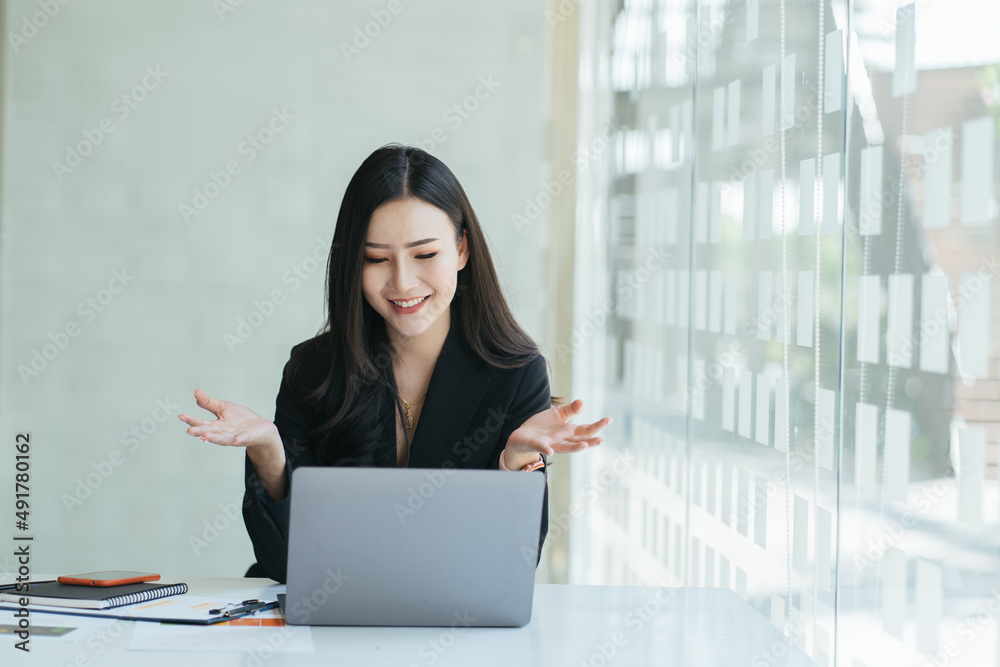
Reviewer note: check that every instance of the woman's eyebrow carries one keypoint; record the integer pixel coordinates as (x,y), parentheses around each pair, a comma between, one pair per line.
(408,245)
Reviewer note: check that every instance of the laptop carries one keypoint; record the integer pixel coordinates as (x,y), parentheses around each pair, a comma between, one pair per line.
(412,547)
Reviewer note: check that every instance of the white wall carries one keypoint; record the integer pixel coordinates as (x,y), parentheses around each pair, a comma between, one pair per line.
(64,235)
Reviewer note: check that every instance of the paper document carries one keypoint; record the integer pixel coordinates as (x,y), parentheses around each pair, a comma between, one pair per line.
(53,628)
(178,609)
(259,634)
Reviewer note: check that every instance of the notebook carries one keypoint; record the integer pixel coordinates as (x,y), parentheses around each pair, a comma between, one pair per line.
(54,594)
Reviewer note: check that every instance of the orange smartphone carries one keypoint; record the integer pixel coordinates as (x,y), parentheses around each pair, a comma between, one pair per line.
(107,578)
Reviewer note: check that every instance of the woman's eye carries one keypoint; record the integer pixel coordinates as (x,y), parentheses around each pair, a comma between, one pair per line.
(377,260)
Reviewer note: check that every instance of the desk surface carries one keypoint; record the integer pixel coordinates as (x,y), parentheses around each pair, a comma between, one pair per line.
(577,626)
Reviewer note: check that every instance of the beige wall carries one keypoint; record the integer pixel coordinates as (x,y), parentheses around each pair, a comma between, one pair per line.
(148,343)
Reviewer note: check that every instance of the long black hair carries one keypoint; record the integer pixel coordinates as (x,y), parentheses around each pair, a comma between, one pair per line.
(354,333)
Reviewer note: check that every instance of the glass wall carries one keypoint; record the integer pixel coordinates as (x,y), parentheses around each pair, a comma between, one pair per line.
(918,562)
(787,235)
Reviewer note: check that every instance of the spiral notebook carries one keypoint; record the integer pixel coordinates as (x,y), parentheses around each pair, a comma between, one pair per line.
(54,594)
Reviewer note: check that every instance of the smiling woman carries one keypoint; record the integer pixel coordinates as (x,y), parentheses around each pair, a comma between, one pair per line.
(420,362)
(418,277)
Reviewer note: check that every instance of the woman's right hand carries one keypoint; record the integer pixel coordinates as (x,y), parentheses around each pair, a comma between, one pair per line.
(234,426)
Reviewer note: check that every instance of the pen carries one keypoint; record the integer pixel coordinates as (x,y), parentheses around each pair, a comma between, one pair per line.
(246,607)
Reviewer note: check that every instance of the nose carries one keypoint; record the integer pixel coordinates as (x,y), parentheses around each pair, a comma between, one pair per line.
(403,277)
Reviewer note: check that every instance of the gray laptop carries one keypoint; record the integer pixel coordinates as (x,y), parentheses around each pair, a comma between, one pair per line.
(412,547)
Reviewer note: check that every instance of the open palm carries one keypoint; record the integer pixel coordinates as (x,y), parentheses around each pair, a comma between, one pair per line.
(235,425)
(550,433)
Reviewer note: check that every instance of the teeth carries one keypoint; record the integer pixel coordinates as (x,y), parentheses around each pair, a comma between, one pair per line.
(407,304)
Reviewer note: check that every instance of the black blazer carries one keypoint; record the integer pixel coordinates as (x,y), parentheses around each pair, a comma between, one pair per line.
(470,410)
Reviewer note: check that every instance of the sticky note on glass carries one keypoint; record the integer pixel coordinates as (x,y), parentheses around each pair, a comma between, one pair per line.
(865,446)
(749,206)
(894,591)
(807,196)
(824,549)
(670,314)
(974,325)
(753,16)
(719,118)
(870,213)
(760,512)
(715,214)
(971,468)
(700,299)
(742,500)
(835,65)
(763,408)
(869,309)
(782,305)
(897,454)
(766,203)
(711,482)
(764,313)
(934,336)
(715,301)
(899,348)
(825,427)
(731,292)
(831,193)
(726,511)
(781,425)
(788,86)
(800,534)
(729,399)
(733,114)
(768,94)
(804,323)
(904,75)
(746,402)
(978,150)
(937,177)
(929,601)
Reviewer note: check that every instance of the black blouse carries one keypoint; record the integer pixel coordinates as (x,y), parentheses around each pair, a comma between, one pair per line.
(470,410)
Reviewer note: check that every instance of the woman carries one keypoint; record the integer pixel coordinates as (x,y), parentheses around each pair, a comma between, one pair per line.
(417,333)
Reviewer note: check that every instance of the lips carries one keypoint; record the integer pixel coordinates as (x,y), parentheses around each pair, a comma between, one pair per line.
(408,303)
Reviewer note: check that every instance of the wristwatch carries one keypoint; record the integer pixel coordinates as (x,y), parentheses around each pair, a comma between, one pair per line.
(534,465)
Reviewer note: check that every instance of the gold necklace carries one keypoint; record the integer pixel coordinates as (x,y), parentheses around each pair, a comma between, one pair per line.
(407,418)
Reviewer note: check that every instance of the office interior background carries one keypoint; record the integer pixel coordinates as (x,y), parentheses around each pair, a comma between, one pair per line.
(760,234)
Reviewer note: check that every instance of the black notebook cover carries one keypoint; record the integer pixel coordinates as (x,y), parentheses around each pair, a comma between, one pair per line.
(54,594)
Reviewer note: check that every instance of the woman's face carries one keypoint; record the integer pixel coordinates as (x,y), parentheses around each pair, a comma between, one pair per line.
(411,254)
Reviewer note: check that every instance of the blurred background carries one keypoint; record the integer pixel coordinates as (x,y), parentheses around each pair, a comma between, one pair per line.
(760,234)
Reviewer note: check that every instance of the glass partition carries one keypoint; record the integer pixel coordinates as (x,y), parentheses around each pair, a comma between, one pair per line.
(785,300)
(918,562)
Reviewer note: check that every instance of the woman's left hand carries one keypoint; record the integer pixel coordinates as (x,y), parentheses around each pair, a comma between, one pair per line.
(550,433)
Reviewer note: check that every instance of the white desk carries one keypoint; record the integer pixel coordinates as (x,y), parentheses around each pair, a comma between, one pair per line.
(572,626)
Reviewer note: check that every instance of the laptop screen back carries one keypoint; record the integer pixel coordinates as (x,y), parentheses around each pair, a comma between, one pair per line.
(412,547)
